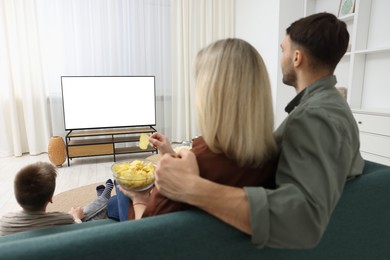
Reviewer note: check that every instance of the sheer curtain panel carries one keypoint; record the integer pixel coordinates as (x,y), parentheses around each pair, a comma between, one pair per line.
(24,120)
(195,23)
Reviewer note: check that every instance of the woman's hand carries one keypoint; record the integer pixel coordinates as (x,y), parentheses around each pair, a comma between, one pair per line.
(162,143)
(137,196)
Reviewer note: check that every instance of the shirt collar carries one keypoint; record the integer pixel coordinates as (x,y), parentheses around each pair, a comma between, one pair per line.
(328,80)
(295,102)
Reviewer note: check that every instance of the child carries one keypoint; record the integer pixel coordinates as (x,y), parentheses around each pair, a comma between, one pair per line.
(34,187)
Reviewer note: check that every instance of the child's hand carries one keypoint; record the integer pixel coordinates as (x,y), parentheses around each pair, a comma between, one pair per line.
(77,213)
(162,143)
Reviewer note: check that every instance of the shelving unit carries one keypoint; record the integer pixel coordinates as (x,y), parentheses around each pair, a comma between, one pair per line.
(374,140)
(85,143)
(364,71)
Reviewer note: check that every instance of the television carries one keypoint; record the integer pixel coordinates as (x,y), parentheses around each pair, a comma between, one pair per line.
(91,102)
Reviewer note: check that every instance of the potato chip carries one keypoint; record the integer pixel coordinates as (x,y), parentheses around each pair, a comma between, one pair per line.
(143,141)
(137,175)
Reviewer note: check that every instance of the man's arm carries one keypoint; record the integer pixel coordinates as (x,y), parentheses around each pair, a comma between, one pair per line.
(319,150)
(284,217)
(178,179)
(277,218)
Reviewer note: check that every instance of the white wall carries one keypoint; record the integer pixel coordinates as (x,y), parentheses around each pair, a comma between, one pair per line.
(263,24)
(289,12)
(257,21)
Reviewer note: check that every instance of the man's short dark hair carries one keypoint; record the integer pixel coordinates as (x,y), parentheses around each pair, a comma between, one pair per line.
(324,37)
(34,185)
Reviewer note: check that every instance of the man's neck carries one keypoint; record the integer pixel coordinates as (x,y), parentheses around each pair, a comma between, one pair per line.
(307,78)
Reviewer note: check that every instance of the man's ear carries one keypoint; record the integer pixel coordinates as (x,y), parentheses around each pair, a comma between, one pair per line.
(298,58)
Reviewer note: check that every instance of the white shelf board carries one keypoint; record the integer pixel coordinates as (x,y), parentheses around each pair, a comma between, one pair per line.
(377,50)
(375,112)
(348,17)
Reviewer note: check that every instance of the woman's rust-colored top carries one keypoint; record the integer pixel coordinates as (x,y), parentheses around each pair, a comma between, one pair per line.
(217,168)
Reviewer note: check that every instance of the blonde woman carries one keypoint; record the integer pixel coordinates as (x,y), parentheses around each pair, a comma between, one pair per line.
(234,115)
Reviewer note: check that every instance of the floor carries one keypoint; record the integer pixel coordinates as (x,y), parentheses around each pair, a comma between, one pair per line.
(82,171)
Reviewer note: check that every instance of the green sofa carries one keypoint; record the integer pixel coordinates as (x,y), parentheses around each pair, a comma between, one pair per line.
(359,229)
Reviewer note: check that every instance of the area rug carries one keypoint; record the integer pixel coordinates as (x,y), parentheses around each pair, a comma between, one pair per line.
(80,196)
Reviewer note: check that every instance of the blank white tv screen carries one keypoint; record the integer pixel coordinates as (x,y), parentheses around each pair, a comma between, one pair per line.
(108,102)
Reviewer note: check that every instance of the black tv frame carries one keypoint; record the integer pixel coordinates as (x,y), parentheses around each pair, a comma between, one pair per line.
(109,126)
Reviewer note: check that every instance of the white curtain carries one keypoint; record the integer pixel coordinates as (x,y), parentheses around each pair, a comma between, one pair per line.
(24,120)
(42,40)
(196,23)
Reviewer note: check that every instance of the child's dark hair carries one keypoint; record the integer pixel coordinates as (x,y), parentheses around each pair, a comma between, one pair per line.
(34,185)
(323,36)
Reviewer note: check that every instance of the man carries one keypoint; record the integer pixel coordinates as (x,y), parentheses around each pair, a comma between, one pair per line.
(319,150)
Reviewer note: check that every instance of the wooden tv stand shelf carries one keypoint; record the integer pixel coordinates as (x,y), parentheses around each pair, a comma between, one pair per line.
(85,143)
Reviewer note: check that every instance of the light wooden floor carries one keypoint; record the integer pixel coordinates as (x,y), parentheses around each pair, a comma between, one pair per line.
(82,171)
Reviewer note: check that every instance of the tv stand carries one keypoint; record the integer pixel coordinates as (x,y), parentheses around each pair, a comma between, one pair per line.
(85,143)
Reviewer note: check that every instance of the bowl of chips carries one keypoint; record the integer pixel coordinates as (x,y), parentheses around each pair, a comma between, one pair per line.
(137,175)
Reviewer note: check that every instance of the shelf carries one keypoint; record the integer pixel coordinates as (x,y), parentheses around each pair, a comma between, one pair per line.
(376,158)
(373,112)
(84,143)
(374,132)
(86,133)
(89,150)
(126,139)
(347,18)
(133,149)
(369,51)
(88,141)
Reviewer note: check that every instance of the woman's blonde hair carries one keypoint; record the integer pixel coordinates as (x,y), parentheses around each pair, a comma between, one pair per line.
(234,103)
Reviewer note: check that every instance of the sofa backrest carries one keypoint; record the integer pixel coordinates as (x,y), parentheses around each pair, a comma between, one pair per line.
(359,229)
